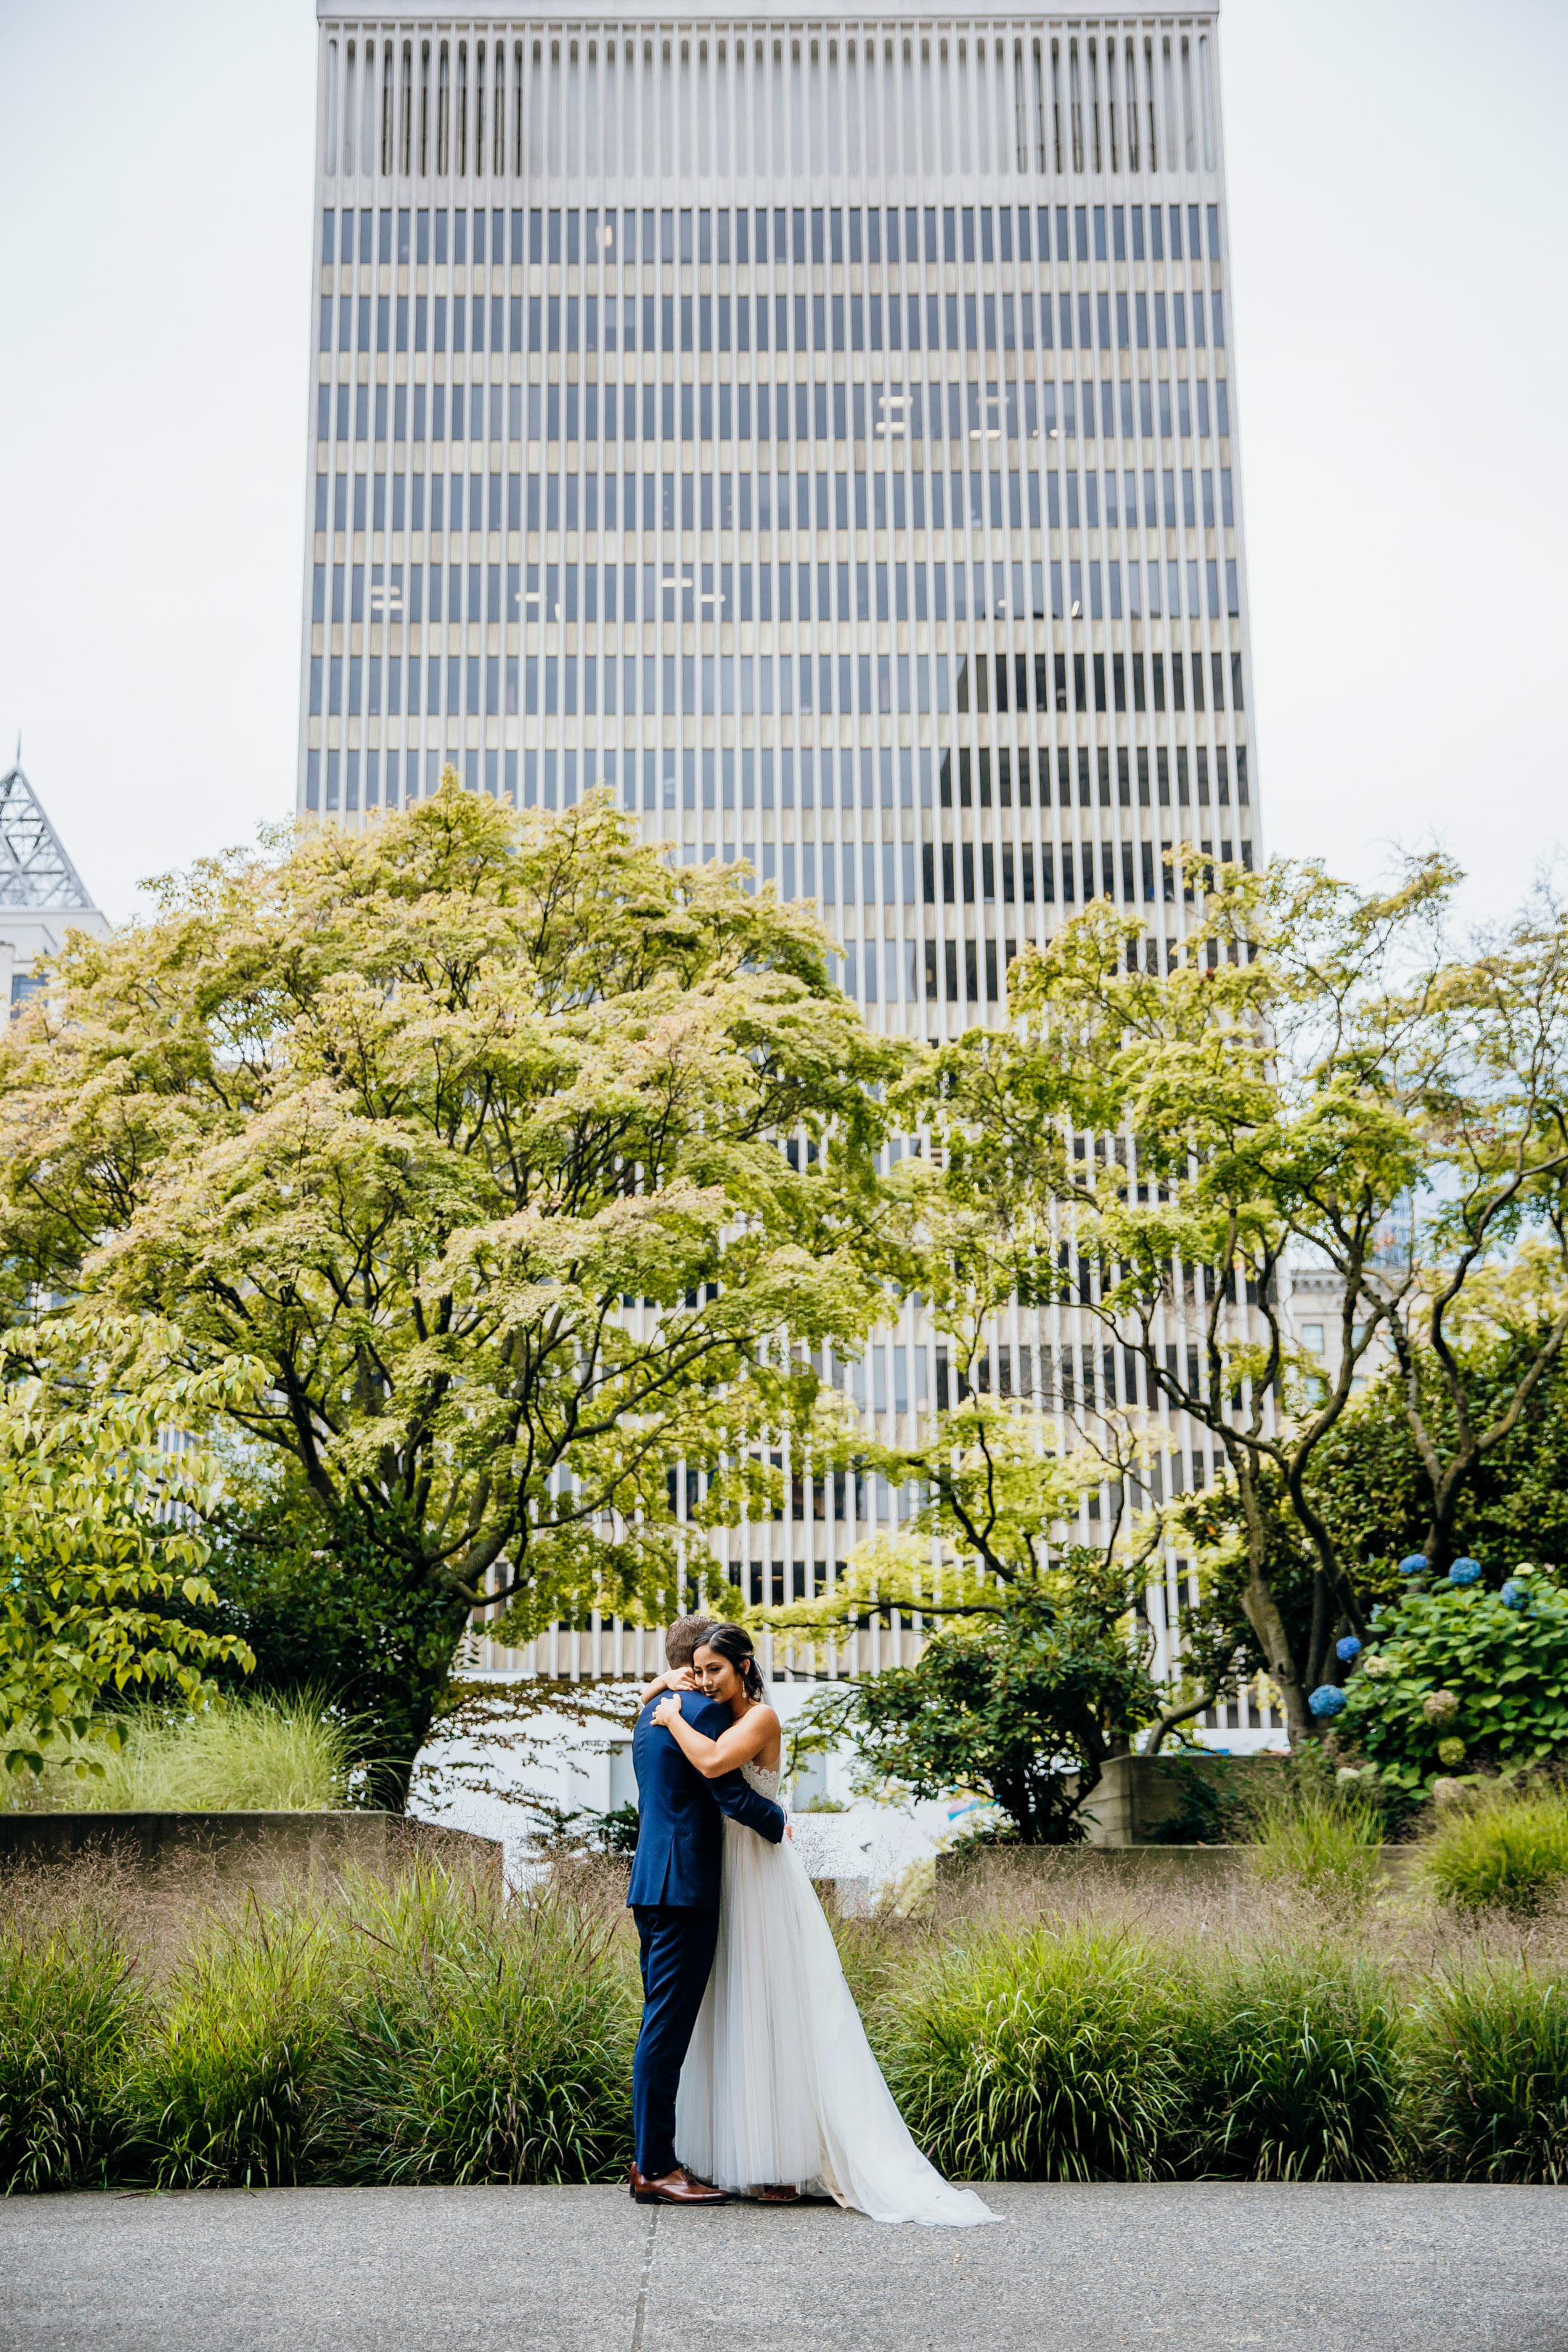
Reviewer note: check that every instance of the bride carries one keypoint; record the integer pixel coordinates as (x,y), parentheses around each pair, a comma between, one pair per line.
(780,2095)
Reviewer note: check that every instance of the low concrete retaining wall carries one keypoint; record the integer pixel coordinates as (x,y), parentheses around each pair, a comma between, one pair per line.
(1188,1799)
(1049,1874)
(256,1849)
(1044,1872)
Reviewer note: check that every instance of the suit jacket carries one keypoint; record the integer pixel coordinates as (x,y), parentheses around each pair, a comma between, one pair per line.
(680,1833)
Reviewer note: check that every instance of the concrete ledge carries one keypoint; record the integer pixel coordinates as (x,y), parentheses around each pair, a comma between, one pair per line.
(261,1849)
(1075,1871)
(1195,1798)
(852,1896)
(1079,1870)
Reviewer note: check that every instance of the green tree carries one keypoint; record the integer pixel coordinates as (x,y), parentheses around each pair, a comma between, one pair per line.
(1297,1079)
(1471,1044)
(1370,1482)
(310,1596)
(102,1544)
(469,1130)
(1023,1707)
(1025,1554)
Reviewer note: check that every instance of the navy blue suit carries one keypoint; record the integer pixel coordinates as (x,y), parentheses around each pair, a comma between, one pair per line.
(674,1896)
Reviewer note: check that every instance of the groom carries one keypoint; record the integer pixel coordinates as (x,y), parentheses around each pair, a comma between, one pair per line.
(674,1897)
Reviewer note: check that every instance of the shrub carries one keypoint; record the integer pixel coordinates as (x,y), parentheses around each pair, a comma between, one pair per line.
(1510,1849)
(1507,1668)
(480,2043)
(1490,2072)
(1291,2063)
(219,2091)
(1044,2055)
(71,1999)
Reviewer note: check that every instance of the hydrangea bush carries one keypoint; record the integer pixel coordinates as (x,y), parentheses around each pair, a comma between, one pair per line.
(1463,1679)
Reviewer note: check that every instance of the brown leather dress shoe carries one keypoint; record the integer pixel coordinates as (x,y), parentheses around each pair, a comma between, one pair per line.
(677,2187)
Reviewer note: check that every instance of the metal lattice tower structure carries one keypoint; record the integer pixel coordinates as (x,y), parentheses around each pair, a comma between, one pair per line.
(35,868)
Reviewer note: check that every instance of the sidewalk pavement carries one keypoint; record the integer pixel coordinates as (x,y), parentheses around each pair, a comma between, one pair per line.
(1334,2268)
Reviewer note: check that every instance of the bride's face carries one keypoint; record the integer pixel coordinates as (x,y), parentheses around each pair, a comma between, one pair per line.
(715,1676)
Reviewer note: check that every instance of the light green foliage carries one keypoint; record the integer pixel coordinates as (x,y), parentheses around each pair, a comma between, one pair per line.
(1489,2068)
(71,2002)
(96,1517)
(403,1116)
(485,2043)
(1507,1847)
(218,2092)
(240,1755)
(1151,1144)
(1483,1071)
(1038,1667)
(1325,1841)
(1323,1074)
(1291,2058)
(423,2028)
(1039,2056)
(418,2029)
(991,1493)
(1507,1667)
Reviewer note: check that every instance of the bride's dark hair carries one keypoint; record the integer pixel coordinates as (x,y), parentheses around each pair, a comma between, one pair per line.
(733,1644)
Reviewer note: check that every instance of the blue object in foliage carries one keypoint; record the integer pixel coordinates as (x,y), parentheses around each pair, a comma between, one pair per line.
(1348,1648)
(1514,1595)
(1464,1571)
(1413,1564)
(1327,1700)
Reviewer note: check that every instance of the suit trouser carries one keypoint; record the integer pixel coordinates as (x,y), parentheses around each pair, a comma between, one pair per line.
(676,1944)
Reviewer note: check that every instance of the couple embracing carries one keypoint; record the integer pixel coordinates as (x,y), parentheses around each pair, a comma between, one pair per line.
(752,2073)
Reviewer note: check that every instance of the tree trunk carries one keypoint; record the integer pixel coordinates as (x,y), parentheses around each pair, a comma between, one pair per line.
(1262,1614)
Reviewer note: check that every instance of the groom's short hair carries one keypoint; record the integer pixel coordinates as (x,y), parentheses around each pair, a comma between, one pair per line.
(685,1638)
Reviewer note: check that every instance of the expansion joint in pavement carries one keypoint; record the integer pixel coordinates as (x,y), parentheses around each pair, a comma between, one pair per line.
(641,2317)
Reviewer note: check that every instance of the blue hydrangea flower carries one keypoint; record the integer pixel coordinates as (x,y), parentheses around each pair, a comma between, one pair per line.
(1464,1571)
(1348,1648)
(1327,1700)
(1514,1595)
(1413,1564)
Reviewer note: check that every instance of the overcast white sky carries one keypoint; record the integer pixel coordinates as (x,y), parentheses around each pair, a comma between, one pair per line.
(1397,180)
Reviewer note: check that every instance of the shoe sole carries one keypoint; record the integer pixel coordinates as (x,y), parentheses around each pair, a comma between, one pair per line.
(652,2196)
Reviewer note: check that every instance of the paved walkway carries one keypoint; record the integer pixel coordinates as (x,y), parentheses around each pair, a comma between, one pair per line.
(1333,2268)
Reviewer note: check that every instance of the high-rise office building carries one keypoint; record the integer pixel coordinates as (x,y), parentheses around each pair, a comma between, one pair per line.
(822,434)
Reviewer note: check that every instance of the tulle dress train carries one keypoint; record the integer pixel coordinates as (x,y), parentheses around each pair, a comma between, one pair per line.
(779,2083)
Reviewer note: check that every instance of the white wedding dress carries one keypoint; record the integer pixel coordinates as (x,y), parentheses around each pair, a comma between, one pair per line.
(779,2083)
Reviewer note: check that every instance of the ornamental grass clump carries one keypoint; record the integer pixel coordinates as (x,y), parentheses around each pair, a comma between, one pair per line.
(1506,1849)
(1489,2072)
(220,2091)
(241,1755)
(1324,1841)
(480,2041)
(1039,2056)
(1290,2059)
(71,1999)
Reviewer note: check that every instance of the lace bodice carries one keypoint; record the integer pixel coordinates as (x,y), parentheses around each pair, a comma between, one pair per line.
(766,1784)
